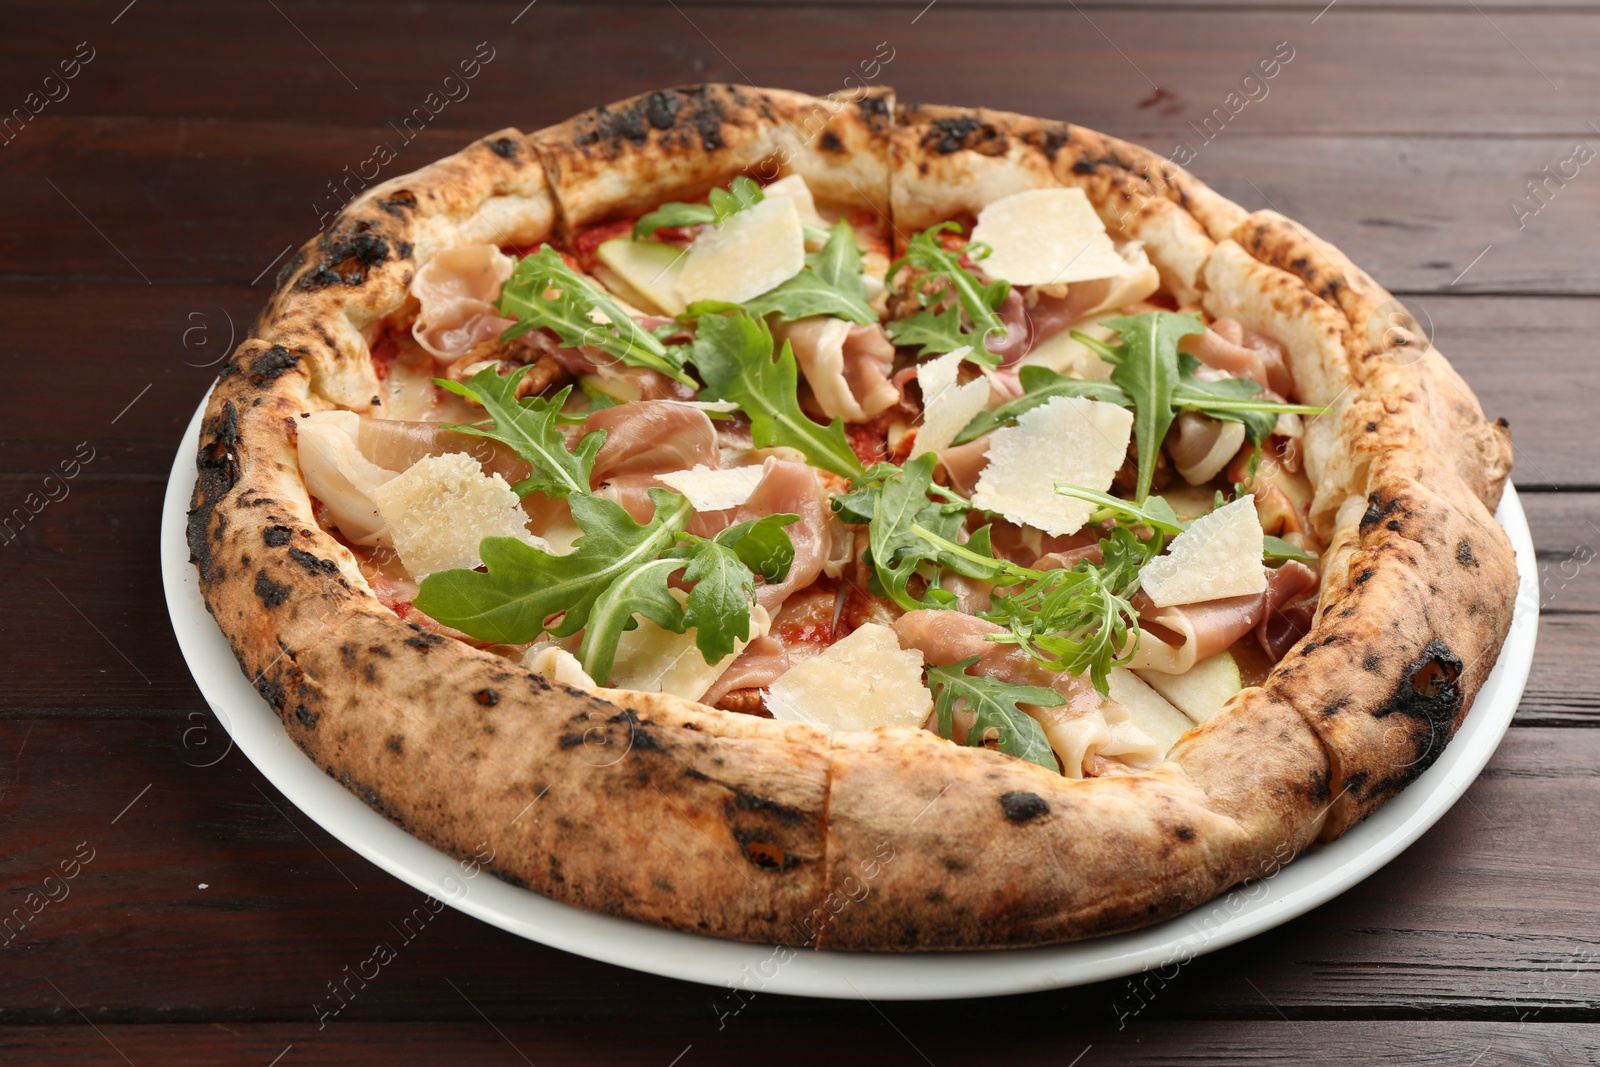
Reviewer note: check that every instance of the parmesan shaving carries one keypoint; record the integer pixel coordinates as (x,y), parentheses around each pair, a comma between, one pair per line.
(760,247)
(1218,556)
(1068,440)
(441,507)
(714,490)
(860,682)
(946,406)
(1047,236)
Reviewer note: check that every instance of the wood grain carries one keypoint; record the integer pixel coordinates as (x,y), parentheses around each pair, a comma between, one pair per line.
(967,1036)
(1492,911)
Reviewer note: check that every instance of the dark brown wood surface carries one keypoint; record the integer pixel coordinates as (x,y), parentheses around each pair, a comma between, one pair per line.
(141,216)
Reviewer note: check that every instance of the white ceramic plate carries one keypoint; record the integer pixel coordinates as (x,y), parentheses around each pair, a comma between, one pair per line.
(1309,881)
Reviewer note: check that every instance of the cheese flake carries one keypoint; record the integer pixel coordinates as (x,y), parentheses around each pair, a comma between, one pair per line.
(440,507)
(714,490)
(946,406)
(1218,556)
(1068,440)
(1046,236)
(795,188)
(860,682)
(742,258)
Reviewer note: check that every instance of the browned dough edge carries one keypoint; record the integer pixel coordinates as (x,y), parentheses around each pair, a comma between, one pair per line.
(669,812)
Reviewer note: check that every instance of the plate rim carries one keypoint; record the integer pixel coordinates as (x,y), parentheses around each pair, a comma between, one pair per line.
(1319,875)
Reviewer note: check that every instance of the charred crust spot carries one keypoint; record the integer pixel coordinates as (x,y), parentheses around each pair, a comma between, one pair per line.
(1020,807)
(661,109)
(1356,781)
(640,739)
(875,110)
(219,473)
(271,593)
(959,132)
(1366,573)
(486,697)
(1392,524)
(307,717)
(272,364)
(1319,786)
(1372,662)
(395,744)
(1464,554)
(399,202)
(313,564)
(1084,166)
(422,640)
(762,853)
(1430,694)
(566,741)
(691,726)
(380,650)
(951,863)
(276,536)
(504,147)
(829,142)
(1377,511)
(346,259)
(270,690)
(1184,833)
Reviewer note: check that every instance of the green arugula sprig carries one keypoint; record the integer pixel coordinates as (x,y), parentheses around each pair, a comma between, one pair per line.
(894,504)
(938,328)
(617,569)
(1039,386)
(723,204)
(544,292)
(1158,515)
(734,354)
(996,705)
(529,427)
(1080,619)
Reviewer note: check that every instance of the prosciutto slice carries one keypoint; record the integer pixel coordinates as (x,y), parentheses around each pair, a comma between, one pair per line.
(758,666)
(789,487)
(457,289)
(652,437)
(846,364)
(1229,347)
(1173,639)
(1088,735)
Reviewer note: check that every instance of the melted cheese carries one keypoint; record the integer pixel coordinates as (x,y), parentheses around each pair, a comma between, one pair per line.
(1218,556)
(441,507)
(863,681)
(1046,236)
(1068,440)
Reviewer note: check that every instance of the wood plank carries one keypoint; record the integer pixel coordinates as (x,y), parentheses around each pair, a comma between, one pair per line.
(1423,213)
(1491,914)
(307,61)
(968,1034)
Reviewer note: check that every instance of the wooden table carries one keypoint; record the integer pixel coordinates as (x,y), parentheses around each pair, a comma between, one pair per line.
(143,213)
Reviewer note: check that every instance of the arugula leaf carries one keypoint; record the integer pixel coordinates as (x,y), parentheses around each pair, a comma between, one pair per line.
(763,545)
(1278,548)
(1040,385)
(997,705)
(1148,373)
(829,284)
(1079,619)
(1155,513)
(905,528)
(525,588)
(529,427)
(734,354)
(526,297)
(937,328)
(724,203)
(641,591)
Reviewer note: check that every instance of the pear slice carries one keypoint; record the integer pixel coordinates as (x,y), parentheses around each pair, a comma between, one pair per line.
(1200,691)
(1149,710)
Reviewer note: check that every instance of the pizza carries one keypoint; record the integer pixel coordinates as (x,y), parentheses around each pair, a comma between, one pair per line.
(849,524)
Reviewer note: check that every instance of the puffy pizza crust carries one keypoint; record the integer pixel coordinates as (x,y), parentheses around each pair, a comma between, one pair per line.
(670,812)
